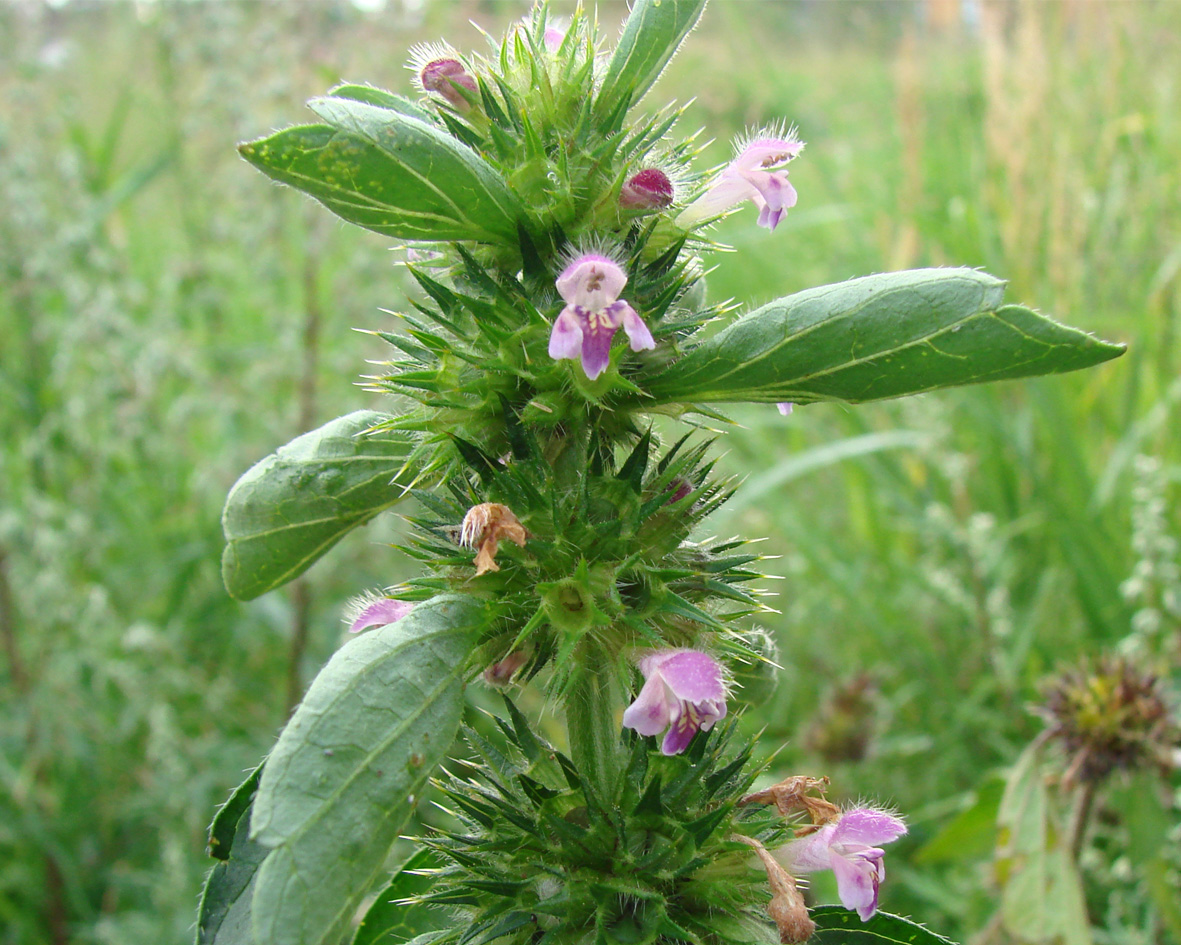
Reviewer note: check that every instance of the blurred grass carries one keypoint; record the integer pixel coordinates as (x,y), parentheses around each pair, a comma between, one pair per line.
(167,318)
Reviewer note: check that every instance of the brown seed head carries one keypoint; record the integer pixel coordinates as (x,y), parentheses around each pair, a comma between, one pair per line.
(1110,714)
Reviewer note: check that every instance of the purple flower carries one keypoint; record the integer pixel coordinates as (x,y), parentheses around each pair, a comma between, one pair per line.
(649,189)
(591,285)
(848,847)
(757,173)
(684,692)
(369,611)
(785,408)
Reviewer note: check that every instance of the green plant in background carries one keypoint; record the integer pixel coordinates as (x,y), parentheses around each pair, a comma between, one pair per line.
(557,234)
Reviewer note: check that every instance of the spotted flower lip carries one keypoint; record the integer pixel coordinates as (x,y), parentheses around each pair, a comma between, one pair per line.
(849,847)
(590,286)
(684,691)
(757,174)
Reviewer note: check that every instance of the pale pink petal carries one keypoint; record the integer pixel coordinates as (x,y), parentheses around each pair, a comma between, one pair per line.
(637,332)
(785,408)
(654,710)
(379,613)
(565,341)
(766,153)
(857,884)
(865,825)
(591,282)
(808,854)
(730,189)
(693,676)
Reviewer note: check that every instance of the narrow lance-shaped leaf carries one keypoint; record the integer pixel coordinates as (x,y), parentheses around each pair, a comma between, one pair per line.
(390,172)
(654,31)
(291,507)
(877,337)
(223,917)
(343,778)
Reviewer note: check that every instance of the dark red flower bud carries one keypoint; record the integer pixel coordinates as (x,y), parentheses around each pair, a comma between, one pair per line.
(649,189)
(442,75)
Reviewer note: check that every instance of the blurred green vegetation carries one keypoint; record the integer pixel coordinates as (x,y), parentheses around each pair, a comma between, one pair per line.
(167,317)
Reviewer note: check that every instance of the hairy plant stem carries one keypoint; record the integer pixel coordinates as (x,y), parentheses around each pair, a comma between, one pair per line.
(1079,815)
(592,724)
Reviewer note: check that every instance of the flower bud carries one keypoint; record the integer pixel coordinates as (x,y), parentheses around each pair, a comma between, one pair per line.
(442,76)
(649,189)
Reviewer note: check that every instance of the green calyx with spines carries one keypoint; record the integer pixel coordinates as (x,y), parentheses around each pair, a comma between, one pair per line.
(538,856)
(608,563)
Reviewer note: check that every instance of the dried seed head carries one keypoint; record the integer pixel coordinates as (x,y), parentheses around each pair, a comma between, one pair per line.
(483,528)
(1110,714)
(786,907)
(792,795)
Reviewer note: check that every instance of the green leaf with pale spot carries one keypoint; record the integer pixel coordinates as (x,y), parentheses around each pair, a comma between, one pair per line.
(291,507)
(223,917)
(838,926)
(342,779)
(877,337)
(654,31)
(390,172)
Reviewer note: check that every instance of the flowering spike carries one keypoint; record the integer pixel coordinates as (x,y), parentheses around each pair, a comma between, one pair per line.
(590,286)
(758,174)
(848,847)
(649,189)
(685,691)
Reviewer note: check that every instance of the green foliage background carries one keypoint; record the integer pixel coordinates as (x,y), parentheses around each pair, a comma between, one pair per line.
(167,318)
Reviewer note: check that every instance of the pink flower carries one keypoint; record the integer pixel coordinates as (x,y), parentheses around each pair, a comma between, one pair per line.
(758,174)
(554,33)
(684,692)
(369,612)
(785,408)
(591,285)
(848,847)
(649,189)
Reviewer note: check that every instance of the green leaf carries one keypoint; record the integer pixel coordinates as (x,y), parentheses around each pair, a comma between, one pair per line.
(877,337)
(837,926)
(390,172)
(343,778)
(372,95)
(654,31)
(391,922)
(223,917)
(289,509)
(971,835)
(1042,895)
